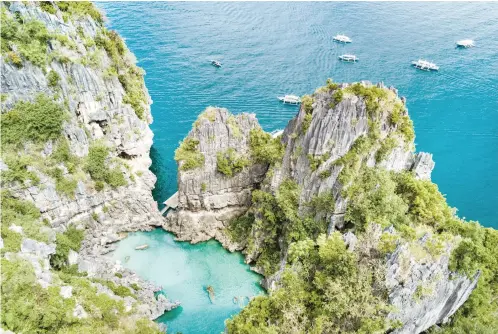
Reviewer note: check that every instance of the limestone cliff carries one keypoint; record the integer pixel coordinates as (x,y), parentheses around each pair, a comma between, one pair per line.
(339,131)
(208,199)
(66,54)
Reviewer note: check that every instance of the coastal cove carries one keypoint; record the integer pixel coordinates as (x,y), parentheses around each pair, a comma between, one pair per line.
(184,271)
(271,50)
(334,213)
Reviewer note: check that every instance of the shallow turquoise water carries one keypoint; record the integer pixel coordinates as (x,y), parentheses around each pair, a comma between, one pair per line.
(184,271)
(269,49)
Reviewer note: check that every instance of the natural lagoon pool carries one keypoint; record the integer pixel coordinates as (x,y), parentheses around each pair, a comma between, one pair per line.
(184,271)
(272,49)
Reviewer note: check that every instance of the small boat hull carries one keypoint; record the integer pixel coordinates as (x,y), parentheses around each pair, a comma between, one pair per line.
(141,247)
(348,60)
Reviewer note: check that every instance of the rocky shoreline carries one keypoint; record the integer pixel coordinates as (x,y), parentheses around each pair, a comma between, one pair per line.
(98,115)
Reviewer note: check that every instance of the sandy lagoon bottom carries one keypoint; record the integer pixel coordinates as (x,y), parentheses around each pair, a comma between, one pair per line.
(184,271)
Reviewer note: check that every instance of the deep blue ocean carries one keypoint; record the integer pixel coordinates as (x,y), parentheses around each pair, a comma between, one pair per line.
(270,49)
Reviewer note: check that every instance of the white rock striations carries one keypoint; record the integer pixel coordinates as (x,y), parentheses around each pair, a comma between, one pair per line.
(208,199)
(98,112)
(313,149)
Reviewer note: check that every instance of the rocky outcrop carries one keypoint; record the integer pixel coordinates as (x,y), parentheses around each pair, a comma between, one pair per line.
(320,143)
(208,199)
(422,289)
(95,99)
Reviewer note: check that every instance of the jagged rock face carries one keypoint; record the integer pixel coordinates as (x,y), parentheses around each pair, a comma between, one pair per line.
(97,112)
(208,198)
(333,131)
(424,291)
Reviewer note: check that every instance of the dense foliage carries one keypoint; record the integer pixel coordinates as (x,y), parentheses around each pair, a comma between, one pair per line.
(325,288)
(230,163)
(37,121)
(35,149)
(189,155)
(98,168)
(264,148)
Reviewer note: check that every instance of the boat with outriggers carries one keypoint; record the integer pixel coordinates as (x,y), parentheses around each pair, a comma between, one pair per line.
(348,58)
(425,65)
(290,99)
(465,43)
(342,39)
(215,63)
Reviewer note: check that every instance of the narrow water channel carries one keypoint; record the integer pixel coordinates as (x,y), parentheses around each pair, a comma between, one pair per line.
(184,271)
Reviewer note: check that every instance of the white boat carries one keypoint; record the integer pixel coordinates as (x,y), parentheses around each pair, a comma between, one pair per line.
(342,39)
(215,63)
(144,246)
(276,133)
(291,99)
(425,65)
(465,43)
(348,58)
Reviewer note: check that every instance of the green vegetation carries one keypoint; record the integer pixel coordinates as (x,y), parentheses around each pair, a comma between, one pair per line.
(325,174)
(209,114)
(118,290)
(336,98)
(48,7)
(203,186)
(37,121)
(20,213)
(69,240)
(317,295)
(239,228)
(62,154)
(99,170)
(230,163)
(18,170)
(29,38)
(189,155)
(53,79)
(130,76)
(234,127)
(264,148)
(64,185)
(316,161)
(77,9)
(386,147)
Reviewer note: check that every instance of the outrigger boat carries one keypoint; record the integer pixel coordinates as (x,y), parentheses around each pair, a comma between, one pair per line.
(291,99)
(425,65)
(465,43)
(215,63)
(348,58)
(342,39)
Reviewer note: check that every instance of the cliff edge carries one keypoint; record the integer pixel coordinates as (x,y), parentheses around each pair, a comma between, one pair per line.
(75,169)
(343,180)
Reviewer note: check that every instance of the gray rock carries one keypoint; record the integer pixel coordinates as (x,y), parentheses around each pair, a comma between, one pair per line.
(72,257)
(96,111)
(423,291)
(66,291)
(79,312)
(36,247)
(15,228)
(207,198)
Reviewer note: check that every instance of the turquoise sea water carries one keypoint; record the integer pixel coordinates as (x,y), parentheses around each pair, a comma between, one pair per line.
(270,49)
(184,271)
